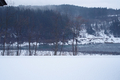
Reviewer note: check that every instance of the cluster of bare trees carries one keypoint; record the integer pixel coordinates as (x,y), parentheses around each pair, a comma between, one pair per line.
(76,27)
(63,29)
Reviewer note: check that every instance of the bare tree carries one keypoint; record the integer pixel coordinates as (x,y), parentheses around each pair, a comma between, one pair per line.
(76,27)
(18,31)
(6,22)
(55,34)
(5,33)
(37,38)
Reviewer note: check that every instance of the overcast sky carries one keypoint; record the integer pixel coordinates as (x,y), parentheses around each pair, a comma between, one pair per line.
(86,3)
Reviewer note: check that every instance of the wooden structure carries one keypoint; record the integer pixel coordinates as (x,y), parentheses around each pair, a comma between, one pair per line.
(3,2)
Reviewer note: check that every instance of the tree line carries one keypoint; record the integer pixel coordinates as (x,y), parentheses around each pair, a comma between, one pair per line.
(27,25)
(49,26)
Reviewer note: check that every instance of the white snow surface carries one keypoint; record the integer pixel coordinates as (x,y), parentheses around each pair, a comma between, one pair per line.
(101,37)
(60,68)
(39,53)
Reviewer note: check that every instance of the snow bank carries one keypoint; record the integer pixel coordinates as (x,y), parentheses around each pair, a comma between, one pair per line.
(60,68)
(38,53)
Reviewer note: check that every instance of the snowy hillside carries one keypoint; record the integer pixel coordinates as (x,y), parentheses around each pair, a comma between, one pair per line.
(86,38)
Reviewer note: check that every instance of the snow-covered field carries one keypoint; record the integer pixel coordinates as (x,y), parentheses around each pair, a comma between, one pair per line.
(60,68)
(39,53)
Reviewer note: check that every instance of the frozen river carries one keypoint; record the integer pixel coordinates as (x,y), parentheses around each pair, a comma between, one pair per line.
(99,48)
(111,48)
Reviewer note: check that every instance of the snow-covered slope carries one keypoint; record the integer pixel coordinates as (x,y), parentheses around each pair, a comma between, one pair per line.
(86,38)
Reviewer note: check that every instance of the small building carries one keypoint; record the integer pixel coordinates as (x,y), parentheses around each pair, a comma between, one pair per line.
(2,3)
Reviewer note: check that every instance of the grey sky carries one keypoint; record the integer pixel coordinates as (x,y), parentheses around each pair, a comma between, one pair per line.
(86,3)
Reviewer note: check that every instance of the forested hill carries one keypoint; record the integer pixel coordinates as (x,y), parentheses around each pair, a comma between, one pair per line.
(97,18)
(54,23)
(72,10)
(26,25)
(89,13)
